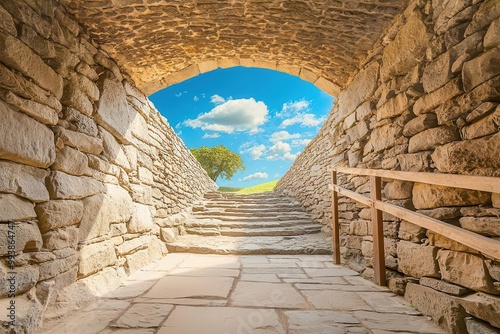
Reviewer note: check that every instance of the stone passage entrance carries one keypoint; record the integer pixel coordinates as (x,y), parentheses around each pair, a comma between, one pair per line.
(227,294)
(267,223)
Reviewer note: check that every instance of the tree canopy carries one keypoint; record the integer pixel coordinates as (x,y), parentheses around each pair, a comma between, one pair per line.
(218,161)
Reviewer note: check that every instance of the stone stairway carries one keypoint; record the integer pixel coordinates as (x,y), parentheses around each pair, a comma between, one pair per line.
(266,223)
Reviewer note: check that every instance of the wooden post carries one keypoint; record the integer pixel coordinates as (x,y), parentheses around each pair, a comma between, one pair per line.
(335,221)
(378,232)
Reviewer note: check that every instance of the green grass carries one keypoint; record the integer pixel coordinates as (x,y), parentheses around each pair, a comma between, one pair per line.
(260,188)
(229,189)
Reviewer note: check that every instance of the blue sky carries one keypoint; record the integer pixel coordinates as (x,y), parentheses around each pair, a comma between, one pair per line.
(268,117)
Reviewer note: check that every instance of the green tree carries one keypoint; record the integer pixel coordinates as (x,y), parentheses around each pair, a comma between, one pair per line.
(218,161)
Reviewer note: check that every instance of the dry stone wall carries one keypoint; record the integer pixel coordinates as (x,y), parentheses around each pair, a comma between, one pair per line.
(426,99)
(89,169)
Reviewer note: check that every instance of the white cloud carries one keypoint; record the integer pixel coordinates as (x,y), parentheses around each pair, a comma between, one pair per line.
(245,145)
(233,115)
(196,98)
(255,176)
(283,135)
(217,99)
(293,107)
(301,142)
(305,120)
(257,151)
(210,135)
(281,151)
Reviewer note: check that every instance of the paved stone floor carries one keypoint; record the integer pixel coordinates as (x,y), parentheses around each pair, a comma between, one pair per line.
(227,294)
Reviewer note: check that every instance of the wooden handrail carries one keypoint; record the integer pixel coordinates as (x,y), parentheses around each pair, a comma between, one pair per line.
(487,246)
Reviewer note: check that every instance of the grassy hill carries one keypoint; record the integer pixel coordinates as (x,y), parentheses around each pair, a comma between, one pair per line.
(260,188)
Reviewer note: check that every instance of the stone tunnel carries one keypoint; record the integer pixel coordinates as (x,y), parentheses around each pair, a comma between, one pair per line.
(90,172)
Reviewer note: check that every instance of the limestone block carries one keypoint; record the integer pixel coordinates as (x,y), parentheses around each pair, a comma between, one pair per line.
(415,162)
(61,238)
(53,268)
(65,186)
(442,213)
(75,98)
(137,260)
(431,138)
(411,232)
(430,101)
(141,220)
(167,234)
(402,54)
(467,155)
(115,206)
(19,56)
(437,73)
(417,260)
(113,112)
(81,141)
(394,107)
(361,87)
(70,161)
(479,327)
(357,132)
(444,309)
(24,181)
(86,85)
(489,226)
(14,208)
(382,138)
(26,277)
(95,257)
(483,306)
(487,12)
(132,245)
(465,269)
(419,124)
(27,238)
(36,149)
(114,151)
(481,69)
(7,23)
(398,190)
(492,37)
(427,196)
(55,214)
(484,127)
(40,112)
(441,241)
(442,286)
(495,200)
(80,122)
(141,193)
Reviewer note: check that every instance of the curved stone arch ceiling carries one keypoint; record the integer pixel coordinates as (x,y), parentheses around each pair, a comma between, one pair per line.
(160,42)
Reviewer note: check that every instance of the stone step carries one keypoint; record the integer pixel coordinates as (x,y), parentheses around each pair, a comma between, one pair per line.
(236,213)
(249,207)
(318,243)
(210,223)
(268,231)
(254,218)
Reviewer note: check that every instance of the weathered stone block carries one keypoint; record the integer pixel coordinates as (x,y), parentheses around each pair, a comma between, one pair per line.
(53,268)
(441,241)
(141,220)
(495,200)
(132,245)
(465,269)
(442,286)
(61,238)
(6,22)
(114,151)
(444,309)
(55,214)
(19,56)
(437,73)
(24,181)
(27,238)
(14,208)
(419,124)
(484,127)
(411,232)
(357,132)
(115,206)
(417,260)
(95,257)
(70,161)
(430,101)
(113,112)
(38,111)
(362,86)
(394,107)
(428,196)
(487,12)
(37,149)
(398,190)
(65,186)
(467,155)
(479,327)
(431,138)
(416,162)
(402,54)
(483,306)
(489,226)
(81,141)
(74,97)
(492,37)
(26,277)
(382,138)
(167,234)
(481,69)
(446,213)
(137,260)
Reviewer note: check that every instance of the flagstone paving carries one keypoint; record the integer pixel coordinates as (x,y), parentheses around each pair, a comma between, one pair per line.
(239,294)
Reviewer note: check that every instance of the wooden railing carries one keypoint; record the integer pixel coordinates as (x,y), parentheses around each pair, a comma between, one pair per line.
(487,246)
